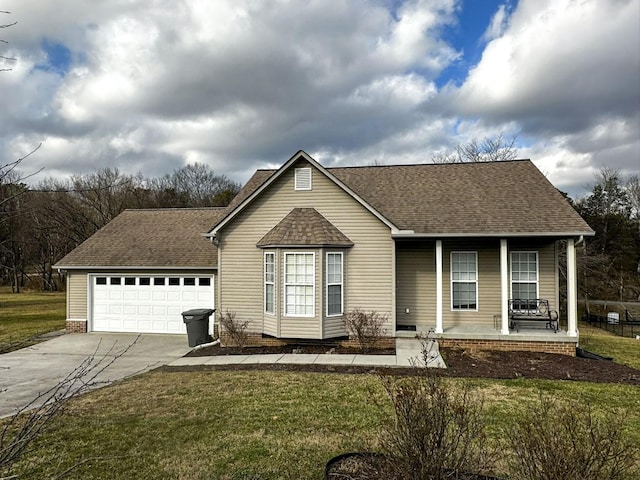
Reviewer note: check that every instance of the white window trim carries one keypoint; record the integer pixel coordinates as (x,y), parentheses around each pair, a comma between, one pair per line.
(266,282)
(511,281)
(313,286)
(308,174)
(451,282)
(327,284)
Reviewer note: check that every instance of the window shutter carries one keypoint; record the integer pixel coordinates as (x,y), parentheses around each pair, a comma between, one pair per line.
(303,179)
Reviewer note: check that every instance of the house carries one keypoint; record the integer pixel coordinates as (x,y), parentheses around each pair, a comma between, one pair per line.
(433,246)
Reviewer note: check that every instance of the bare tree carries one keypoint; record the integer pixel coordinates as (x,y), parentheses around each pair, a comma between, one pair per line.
(490,149)
(3,57)
(194,186)
(633,193)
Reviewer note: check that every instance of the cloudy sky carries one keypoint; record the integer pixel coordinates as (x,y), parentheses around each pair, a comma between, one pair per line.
(151,85)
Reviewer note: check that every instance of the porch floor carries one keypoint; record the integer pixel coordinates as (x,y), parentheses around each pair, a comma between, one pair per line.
(475,332)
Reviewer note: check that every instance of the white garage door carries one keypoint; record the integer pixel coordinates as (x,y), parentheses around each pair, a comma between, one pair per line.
(147,303)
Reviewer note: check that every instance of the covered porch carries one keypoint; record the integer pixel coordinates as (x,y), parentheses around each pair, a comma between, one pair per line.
(468,305)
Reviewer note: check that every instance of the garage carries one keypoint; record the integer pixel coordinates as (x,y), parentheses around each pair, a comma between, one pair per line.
(147,303)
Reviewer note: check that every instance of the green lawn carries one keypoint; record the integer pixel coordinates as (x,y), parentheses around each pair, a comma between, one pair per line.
(623,349)
(254,424)
(28,314)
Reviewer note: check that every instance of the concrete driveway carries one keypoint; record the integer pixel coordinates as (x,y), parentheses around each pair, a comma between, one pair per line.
(28,372)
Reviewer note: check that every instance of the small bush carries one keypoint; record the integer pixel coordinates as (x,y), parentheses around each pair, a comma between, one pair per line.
(438,430)
(561,440)
(236,329)
(366,327)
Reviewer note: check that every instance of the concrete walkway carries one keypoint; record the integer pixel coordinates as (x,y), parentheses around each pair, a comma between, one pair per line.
(26,373)
(408,352)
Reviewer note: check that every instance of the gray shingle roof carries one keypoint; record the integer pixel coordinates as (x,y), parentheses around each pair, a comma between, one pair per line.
(463,198)
(304,226)
(488,198)
(170,238)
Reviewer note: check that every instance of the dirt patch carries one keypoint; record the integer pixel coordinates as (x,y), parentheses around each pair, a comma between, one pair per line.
(311,348)
(463,363)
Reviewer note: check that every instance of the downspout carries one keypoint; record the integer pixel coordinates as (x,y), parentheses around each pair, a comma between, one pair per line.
(205,345)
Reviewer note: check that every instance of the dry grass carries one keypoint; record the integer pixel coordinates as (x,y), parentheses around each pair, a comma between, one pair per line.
(255,424)
(623,350)
(26,315)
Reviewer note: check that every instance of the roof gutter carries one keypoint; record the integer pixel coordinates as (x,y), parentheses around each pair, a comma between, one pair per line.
(128,267)
(405,234)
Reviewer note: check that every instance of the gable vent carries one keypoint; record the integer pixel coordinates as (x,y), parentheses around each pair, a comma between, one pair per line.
(303,179)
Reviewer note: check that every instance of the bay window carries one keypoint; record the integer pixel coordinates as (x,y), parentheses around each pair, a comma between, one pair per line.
(334,284)
(270,283)
(299,284)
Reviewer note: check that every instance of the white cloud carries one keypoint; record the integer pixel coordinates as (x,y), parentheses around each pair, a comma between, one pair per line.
(560,66)
(240,84)
(497,25)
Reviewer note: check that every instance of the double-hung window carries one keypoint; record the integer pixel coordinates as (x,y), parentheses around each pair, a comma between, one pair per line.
(299,284)
(270,283)
(524,276)
(334,284)
(464,280)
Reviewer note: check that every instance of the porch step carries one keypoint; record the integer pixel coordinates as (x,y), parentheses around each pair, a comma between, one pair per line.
(409,353)
(408,344)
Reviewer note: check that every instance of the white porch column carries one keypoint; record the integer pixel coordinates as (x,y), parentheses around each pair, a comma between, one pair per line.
(504,287)
(439,328)
(572,290)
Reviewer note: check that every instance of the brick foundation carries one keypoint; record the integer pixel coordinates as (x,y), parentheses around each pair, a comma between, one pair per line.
(259,340)
(76,326)
(563,348)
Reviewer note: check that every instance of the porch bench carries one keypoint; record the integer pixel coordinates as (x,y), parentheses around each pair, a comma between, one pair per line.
(532,310)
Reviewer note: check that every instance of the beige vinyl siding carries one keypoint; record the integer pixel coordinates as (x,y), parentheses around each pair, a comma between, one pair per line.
(334,327)
(76,295)
(489,293)
(416,284)
(488,283)
(270,323)
(547,272)
(368,279)
(416,289)
(78,288)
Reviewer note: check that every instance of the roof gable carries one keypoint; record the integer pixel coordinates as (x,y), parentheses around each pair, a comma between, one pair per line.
(304,227)
(509,198)
(262,179)
(157,238)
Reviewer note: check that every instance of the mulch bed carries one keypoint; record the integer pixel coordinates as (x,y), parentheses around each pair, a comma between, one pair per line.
(372,466)
(460,363)
(301,348)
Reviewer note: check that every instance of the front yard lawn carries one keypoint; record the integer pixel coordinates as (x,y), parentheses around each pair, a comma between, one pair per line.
(623,349)
(28,314)
(254,424)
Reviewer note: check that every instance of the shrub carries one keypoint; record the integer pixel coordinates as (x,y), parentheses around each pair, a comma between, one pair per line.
(366,327)
(438,430)
(236,329)
(567,440)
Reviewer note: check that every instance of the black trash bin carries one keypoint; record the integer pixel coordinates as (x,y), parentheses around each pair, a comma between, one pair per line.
(197,321)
